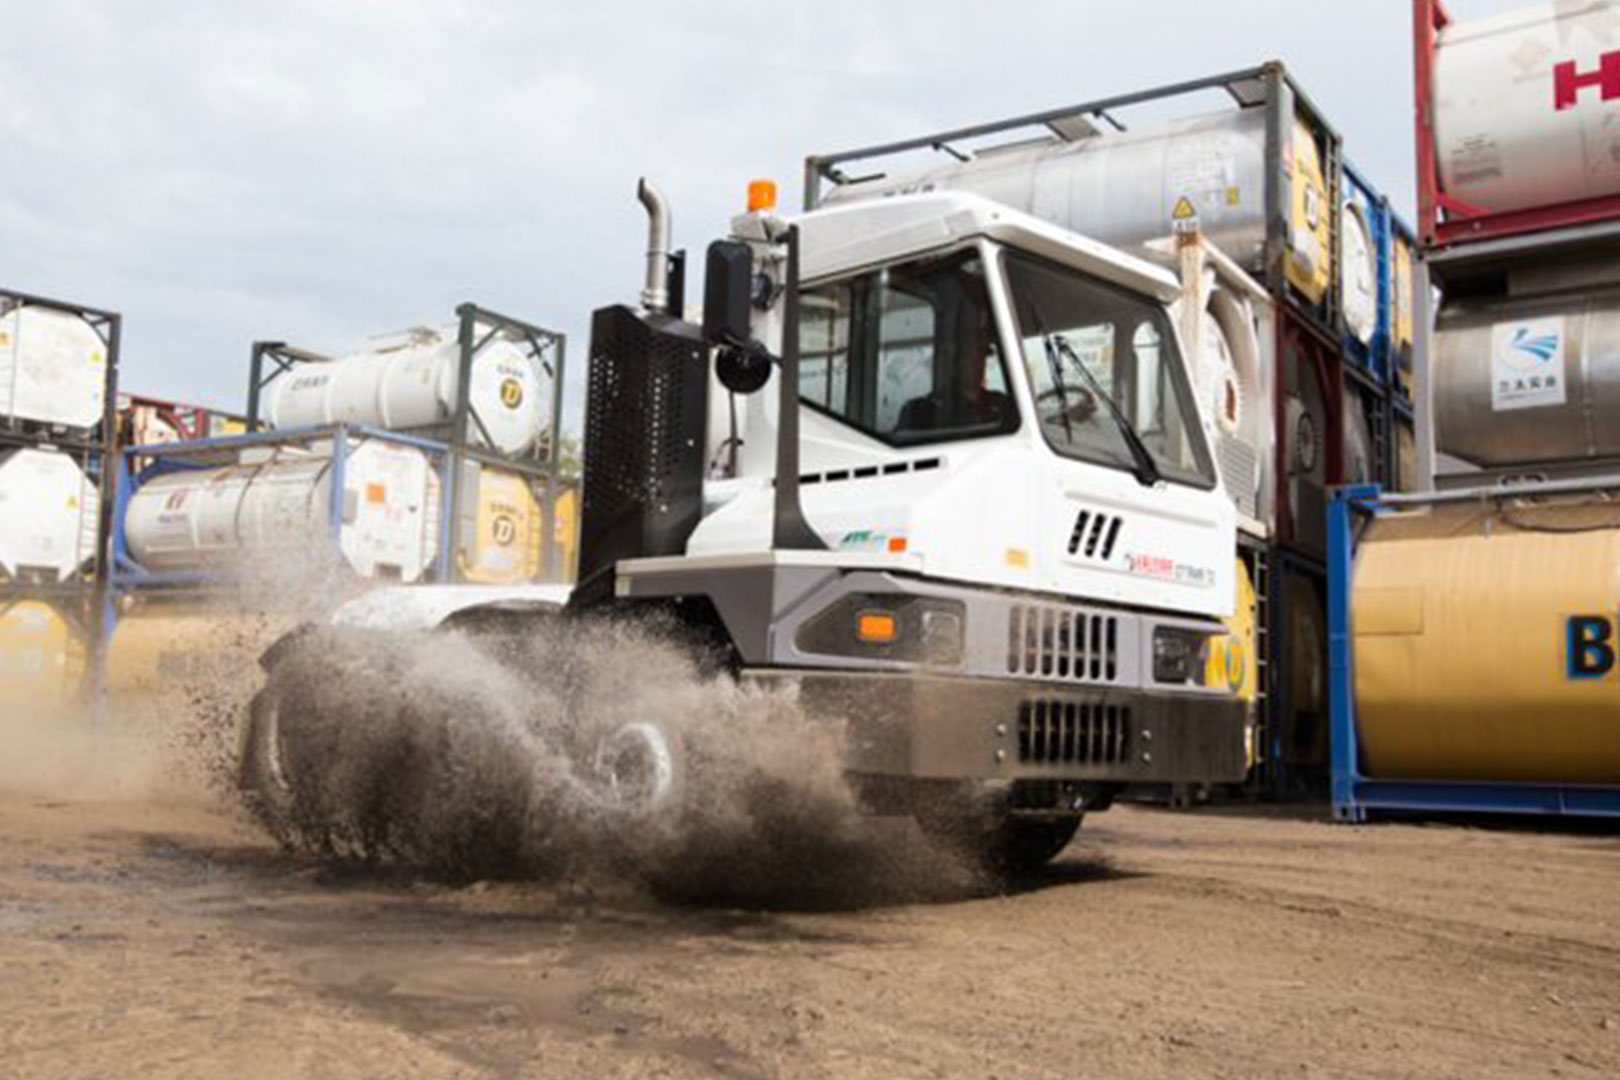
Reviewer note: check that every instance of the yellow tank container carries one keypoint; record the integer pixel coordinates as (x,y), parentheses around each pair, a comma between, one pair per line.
(506,546)
(566,533)
(42,656)
(1234,660)
(167,647)
(1310,266)
(1461,622)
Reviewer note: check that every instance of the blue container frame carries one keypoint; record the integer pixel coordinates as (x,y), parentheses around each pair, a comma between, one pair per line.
(1374,356)
(1357,796)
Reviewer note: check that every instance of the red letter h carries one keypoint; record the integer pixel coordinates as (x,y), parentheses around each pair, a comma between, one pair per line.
(1568,83)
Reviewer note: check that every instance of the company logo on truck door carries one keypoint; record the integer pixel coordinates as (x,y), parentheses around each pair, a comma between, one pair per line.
(1569,81)
(1162,569)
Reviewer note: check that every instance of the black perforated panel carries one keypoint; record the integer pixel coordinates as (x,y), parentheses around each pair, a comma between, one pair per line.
(644,416)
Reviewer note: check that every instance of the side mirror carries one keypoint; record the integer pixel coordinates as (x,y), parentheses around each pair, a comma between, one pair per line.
(728,278)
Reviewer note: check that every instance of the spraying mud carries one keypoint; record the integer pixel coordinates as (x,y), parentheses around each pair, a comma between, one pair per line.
(476,758)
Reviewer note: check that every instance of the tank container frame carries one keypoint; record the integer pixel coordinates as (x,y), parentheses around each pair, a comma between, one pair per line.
(138,465)
(1269,86)
(477,326)
(79,600)
(1375,357)
(1445,220)
(1357,796)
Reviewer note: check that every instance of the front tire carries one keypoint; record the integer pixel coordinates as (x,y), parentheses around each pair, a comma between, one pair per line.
(980,827)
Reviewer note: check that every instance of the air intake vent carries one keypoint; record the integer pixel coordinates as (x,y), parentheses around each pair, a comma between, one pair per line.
(1239,472)
(1094,535)
(1073,733)
(1062,643)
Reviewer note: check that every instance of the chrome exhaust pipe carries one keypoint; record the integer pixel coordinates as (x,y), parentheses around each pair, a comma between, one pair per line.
(655,295)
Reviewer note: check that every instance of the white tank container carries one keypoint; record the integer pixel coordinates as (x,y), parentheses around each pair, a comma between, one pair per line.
(53,368)
(280,508)
(408,383)
(49,512)
(1511,132)
(1358,270)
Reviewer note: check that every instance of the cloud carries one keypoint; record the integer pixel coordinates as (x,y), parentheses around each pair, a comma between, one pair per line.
(318,172)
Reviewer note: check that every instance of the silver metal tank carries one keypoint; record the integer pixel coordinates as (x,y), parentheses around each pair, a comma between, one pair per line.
(1532,379)
(1124,188)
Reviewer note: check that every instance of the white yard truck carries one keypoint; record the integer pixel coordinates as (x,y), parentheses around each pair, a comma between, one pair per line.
(936,462)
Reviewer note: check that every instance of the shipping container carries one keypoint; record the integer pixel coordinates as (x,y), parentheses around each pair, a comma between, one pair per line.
(1473,650)
(58,368)
(1516,121)
(1365,276)
(254,507)
(45,649)
(1248,156)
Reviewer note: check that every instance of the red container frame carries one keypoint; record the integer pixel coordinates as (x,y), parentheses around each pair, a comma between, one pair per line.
(1326,366)
(1445,220)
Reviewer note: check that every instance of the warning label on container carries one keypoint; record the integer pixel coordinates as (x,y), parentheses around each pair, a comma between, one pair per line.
(1527,364)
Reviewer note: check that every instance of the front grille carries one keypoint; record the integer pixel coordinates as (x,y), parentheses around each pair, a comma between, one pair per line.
(1073,733)
(1062,643)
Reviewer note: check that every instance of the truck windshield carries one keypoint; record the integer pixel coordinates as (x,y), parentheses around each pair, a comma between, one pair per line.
(907,354)
(1128,353)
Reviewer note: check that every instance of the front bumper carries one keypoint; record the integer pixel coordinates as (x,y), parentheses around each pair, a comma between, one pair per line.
(940,727)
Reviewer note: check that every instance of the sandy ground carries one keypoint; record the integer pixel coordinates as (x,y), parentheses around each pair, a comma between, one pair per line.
(159,937)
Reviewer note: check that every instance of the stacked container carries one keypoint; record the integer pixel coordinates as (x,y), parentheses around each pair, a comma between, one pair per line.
(1251,166)
(425,456)
(1474,622)
(58,387)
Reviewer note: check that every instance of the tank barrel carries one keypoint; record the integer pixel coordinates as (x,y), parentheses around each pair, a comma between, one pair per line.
(655,295)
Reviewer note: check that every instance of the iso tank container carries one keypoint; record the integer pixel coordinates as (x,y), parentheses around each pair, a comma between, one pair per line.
(409,382)
(1471,659)
(1228,329)
(50,515)
(145,421)
(43,655)
(1403,298)
(53,366)
(1310,427)
(1364,272)
(503,532)
(503,538)
(1248,176)
(1519,118)
(1530,372)
(385,520)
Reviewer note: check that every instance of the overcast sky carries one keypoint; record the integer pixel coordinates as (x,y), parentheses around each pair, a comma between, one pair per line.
(318,172)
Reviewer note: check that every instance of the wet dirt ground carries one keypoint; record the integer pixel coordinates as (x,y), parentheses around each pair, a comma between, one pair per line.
(157,938)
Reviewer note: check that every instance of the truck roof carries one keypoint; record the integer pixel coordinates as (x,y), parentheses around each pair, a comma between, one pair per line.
(848,236)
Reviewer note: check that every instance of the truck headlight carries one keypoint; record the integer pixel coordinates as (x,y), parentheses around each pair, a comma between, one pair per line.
(1179,655)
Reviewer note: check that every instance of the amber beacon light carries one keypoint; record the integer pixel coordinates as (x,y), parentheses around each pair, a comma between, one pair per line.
(761,196)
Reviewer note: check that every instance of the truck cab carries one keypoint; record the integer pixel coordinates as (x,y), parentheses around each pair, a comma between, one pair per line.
(938,465)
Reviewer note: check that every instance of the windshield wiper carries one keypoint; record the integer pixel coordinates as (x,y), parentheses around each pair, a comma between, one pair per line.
(1147,470)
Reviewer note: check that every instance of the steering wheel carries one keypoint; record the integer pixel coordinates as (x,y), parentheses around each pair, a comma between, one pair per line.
(1082,403)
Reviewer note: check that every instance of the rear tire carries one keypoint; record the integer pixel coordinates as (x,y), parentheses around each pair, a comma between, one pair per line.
(263,774)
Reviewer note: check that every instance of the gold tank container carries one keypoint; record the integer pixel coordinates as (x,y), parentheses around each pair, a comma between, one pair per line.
(1460,622)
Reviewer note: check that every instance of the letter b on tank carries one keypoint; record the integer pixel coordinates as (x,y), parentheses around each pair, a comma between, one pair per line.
(1590,646)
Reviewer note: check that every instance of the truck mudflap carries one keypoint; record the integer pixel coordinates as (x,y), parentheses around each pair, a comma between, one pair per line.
(933,727)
